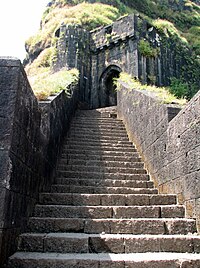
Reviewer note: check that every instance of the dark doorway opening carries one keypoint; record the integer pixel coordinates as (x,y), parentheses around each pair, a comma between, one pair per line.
(108,92)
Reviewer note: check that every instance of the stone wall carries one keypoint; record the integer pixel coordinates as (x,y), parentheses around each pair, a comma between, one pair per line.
(118,45)
(30,139)
(168,143)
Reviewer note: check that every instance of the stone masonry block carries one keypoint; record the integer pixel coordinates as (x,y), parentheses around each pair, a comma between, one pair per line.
(62,243)
(136,212)
(172,212)
(139,244)
(106,244)
(153,264)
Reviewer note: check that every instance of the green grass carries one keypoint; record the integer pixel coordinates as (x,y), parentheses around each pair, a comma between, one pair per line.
(162,93)
(86,15)
(168,28)
(46,83)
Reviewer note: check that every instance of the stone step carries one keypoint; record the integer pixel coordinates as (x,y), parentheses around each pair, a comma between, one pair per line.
(99,147)
(96,118)
(116,137)
(112,226)
(96,131)
(108,243)
(125,157)
(87,142)
(62,165)
(104,260)
(87,124)
(100,166)
(91,169)
(99,135)
(132,164)
(81,127)
(100,190)
(101,175)
(98,212)
(98,153)
(97,123)
(105,199)
(105,183)
(99,141)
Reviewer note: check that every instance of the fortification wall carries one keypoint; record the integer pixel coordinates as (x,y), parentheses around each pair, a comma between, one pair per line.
(119,44)
(169,145)
(30,137)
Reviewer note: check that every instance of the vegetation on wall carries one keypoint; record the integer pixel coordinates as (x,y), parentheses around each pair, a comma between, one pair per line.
(86,15)
(178,20)
(146,49)
(163,94)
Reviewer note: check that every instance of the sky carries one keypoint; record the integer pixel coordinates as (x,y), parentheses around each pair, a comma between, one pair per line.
(19,19)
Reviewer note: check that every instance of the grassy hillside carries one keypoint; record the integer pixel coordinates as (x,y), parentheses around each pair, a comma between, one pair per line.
(179,18)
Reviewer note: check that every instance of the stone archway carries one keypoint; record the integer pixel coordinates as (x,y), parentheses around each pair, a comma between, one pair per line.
(107,88)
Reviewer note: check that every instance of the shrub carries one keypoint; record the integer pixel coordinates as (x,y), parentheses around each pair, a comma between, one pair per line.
(146,49)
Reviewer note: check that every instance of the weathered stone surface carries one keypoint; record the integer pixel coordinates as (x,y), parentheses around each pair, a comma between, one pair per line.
(61,211)
(97,226)
(107,244)
(170,149)
(65,243)
(177,226)
(100,229)
(172,212)
(136,212)
(153,264)
(30,137)
(31,242)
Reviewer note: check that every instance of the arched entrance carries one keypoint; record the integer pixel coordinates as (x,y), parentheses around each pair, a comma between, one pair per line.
(107,88)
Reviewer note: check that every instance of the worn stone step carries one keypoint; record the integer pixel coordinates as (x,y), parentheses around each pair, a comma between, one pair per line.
(132,164)
(107,243)
(97,131)
(104,260)
(101,169)
(56,188)
(103,175)
(113,226)
(91,124)
(98,143)
(105,199)
(90,128)
(99,147)
(105,183)
(99,140)
(119,137)
(99,166)
(97,212)
(99,136)
(98,153)
(125,157)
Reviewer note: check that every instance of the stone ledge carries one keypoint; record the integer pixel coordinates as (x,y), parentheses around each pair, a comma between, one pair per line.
(9,62)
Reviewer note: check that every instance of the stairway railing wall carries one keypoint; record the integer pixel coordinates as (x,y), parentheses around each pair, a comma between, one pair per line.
(31,134)
(168,143)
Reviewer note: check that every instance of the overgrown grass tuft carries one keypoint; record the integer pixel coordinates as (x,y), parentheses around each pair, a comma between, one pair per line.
(47,83)
(162,93)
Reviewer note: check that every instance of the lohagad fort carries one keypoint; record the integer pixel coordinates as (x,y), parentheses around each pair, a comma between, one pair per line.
(100,177)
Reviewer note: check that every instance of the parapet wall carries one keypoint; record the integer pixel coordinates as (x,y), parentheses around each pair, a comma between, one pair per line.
(169,147)
(30,137)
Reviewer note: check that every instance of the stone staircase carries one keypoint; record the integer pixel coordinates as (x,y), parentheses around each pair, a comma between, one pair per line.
(103,210)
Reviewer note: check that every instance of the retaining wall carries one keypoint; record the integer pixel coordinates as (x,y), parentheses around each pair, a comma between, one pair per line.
(30,137)
(168,142)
